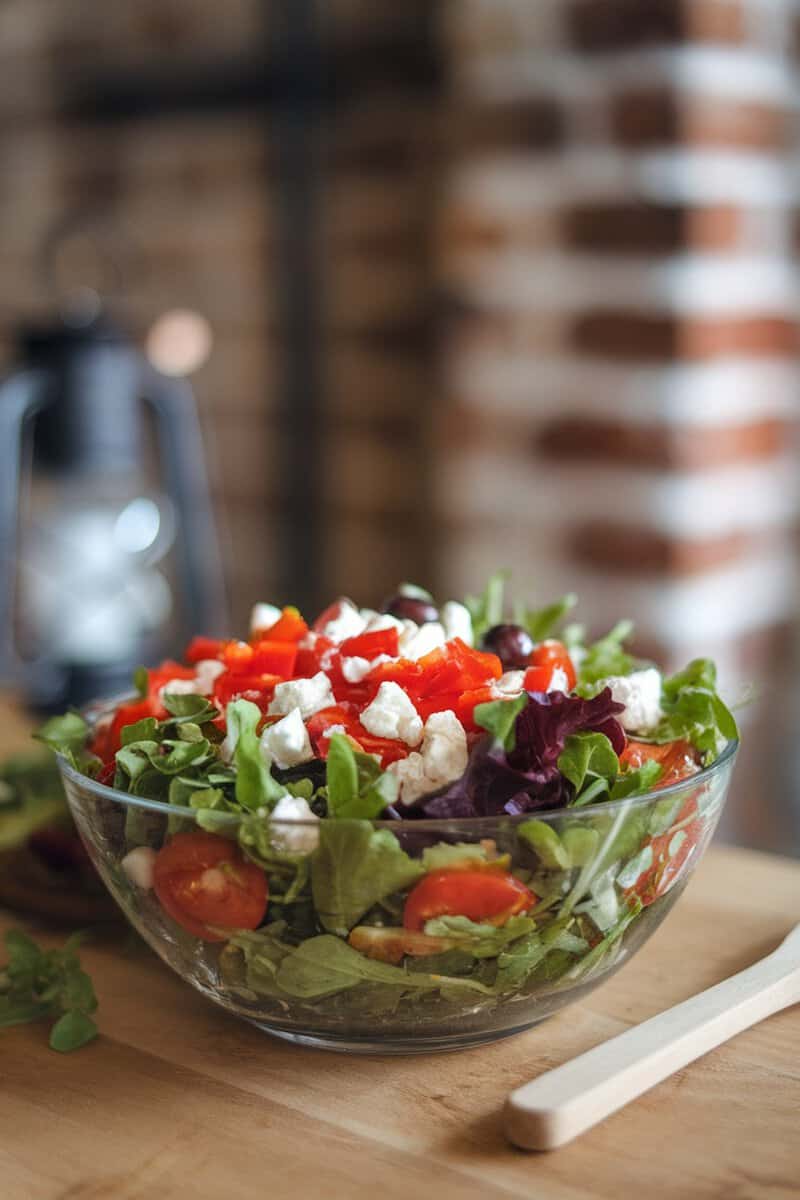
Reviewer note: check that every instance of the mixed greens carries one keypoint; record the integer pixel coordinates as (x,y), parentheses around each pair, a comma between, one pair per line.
(276,755)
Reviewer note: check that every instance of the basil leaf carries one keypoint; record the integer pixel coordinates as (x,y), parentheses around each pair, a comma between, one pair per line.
(499,717)
(72,1031)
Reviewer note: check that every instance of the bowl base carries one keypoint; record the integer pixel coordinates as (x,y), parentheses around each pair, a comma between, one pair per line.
(393,1045)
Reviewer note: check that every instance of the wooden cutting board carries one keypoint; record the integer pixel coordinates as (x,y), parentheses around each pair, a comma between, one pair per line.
(177,1098)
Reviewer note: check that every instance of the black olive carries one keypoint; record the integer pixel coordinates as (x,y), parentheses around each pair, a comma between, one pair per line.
(512,645)
(410,608)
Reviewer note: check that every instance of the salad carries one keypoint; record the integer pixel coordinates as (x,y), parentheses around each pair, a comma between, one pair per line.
(320,778)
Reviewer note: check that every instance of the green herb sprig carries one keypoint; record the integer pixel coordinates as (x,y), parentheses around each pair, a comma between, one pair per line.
(37,984)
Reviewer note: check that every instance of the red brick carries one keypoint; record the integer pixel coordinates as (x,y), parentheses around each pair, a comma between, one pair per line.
(584,439)
(602,25)
(657,116)
(635,228)
(631,336)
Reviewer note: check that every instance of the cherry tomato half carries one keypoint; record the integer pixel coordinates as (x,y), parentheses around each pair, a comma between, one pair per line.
(678,759)
(479,895)
(554,655)
(201,879)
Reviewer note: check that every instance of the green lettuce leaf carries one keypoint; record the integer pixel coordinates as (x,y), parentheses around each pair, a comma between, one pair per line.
(481,941)
(499,718)
(693,710)
(325,965)
(590,763)
(605,657)
(255,785)
(357,788)
(487,609)
(354,867)
(543,623)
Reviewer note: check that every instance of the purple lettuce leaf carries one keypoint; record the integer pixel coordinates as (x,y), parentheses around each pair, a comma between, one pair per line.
(527,778)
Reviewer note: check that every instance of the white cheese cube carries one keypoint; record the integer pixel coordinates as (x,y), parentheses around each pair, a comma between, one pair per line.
(309,695)
(387,621)
(357,668)
(285,839)
(457,621)
(286,743)
(392,715)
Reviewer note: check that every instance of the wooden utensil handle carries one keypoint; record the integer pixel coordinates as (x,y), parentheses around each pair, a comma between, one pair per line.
(560,1104)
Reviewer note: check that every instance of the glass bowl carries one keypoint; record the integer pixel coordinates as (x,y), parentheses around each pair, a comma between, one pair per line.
(604,877)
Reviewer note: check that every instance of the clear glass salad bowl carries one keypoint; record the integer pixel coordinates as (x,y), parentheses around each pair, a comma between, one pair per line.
(345,974)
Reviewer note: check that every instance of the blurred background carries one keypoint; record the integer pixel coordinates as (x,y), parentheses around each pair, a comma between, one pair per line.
(450,286)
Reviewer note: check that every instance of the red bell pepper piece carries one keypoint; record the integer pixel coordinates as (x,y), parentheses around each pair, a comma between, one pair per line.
(318,724)
(238,656)
(309,657)
(289,627)
(200,648)
(465,706)
(275,658)
(537,679)
(370,645)
(250,685)
(555,656)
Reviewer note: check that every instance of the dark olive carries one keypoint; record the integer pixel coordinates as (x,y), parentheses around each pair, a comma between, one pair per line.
(512,645)
(410,608)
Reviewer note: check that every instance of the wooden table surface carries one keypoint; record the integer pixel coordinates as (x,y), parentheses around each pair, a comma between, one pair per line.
(177,1098)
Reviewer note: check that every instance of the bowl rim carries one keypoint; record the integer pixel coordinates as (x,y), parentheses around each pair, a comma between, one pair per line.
(727,756)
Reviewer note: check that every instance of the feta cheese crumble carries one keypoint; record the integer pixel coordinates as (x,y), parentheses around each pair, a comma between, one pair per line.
(263,617)
(641,695)
(286,743)
(309,695)
(305,838)
(510,684)
(442,758)
(392,715)
(559,681)
(138,866)
(357,668)
(457,622)
(347,623)
(427,637)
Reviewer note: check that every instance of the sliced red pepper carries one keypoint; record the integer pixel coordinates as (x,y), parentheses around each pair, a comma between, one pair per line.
(290,627)
(370,645)
(404,671)
(318,724)
(465,706)
(309,657)
(238,656)
(256,686)
(201,648)
(129,714)
(388,750)
(276,658)
(168,670)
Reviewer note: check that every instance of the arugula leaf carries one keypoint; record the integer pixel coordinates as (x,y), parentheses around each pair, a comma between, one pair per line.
(449,856)
(288,873)
(542,623)
(357,788)
(607,656)
(67,735)
(255,785)
(39,983)
(499,717)
(251,960)
(353,867)
(486,610)
(590,763)
(544,840)
(145,730)
(693,710)
(325,965)
(481,941)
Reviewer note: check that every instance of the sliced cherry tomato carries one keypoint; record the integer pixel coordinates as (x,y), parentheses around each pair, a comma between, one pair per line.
(275,658)
(370,645)
(290,627)
(201,648)
(203,880)
(554,655)
(480,895)
(678,759)
(537,679)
